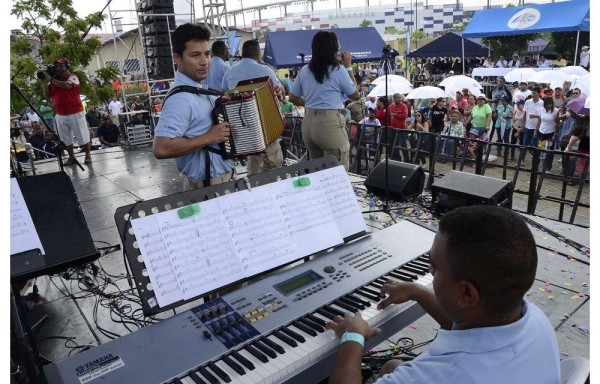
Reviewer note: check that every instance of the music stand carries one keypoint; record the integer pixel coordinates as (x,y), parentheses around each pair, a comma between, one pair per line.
(66,239)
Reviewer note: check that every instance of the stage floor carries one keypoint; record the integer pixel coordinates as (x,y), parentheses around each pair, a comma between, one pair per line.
(78,319)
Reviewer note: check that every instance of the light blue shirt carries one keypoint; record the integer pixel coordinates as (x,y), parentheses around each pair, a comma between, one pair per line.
(244,70)
(217,70)
(501,109)
(330,94)
(525,351)
(189,115)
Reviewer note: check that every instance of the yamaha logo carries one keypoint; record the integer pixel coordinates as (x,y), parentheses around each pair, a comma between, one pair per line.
(525,18)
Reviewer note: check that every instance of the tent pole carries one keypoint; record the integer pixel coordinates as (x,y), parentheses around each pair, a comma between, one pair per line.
(576,49)
(462,40)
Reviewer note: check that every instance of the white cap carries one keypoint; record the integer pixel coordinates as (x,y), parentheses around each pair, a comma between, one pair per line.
(585,47)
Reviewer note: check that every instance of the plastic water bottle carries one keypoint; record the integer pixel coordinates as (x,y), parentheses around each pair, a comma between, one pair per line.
(371,207)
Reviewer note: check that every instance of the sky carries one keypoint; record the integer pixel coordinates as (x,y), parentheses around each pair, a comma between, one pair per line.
(122,8)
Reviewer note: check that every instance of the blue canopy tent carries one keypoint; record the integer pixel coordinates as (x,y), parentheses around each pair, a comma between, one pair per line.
(449,45)
(565,16)
(283,49)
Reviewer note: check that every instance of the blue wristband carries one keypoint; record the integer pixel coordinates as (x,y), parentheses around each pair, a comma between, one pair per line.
(352,336)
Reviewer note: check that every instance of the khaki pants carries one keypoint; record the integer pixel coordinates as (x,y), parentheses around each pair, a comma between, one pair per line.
(324,133)
(189,184)
(271,158)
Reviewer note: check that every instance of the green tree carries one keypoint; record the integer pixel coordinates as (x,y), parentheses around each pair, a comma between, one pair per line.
(366,23)
(392,31)
(54,27)
(564,43)
(507,45)
(416,36)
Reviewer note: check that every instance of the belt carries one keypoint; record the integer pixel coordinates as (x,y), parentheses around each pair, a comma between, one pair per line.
(324,111)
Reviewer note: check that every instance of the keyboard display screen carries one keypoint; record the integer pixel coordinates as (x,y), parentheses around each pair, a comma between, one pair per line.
(297,282)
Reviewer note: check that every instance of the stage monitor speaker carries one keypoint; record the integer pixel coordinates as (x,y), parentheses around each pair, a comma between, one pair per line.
(458,189)
(404,180)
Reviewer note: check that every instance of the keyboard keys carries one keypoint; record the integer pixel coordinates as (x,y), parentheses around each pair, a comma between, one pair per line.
(273,345)
(209,376)
(312,325)
(317,320)
(235,366)
(293,335)
(305,328)
(213,367)
(256,353)
(264,349)
(245,362)
(197,379)
(357,299)
(285,338)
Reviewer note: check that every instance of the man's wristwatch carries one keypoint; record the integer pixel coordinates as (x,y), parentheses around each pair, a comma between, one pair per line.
(353,336)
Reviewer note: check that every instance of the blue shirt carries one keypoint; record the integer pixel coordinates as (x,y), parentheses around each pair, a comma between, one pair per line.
(244,70)
(330,94)
(525,351)
(217,70)
(189,115)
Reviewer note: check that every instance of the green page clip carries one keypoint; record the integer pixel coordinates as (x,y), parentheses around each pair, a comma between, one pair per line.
(188,211)
(302,182)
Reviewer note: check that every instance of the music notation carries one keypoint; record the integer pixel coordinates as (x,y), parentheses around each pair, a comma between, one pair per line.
(156,258)
(23,235)
(239,235)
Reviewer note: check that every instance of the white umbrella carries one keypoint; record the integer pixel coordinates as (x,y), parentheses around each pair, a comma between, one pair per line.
(575,70)
(583,83)
(427,92)
(452,91)
(549,76)
(392,88)
(392,79)
(519,74)
(460,81)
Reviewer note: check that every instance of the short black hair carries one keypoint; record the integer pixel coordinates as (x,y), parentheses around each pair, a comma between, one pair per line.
(494,249)
(219,47)
(188,32)
(536,89)
(250,49)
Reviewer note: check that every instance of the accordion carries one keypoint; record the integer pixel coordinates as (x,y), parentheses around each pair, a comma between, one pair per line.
(254,116)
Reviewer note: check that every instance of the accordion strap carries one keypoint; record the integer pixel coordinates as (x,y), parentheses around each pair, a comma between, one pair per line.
(198,91)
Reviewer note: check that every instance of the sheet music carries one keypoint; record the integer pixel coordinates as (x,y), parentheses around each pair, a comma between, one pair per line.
(342,200)
(157,261)
(242,234)
(306,215)
(257,229)
(201,250)
(23,235)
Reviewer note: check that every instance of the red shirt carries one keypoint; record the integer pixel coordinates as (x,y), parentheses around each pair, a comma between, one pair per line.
(67,101)
(380,113)
(399,114)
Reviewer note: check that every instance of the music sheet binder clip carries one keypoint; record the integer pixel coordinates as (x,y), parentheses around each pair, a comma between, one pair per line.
(188,211)
(302,182)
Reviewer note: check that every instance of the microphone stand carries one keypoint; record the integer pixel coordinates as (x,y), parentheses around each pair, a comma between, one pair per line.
(385,60)
(61,145)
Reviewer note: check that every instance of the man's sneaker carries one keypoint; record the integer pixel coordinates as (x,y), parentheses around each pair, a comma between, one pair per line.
(88,160)
(70,161)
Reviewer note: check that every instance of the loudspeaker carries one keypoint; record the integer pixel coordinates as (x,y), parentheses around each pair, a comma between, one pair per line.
(404,180)
(458,189)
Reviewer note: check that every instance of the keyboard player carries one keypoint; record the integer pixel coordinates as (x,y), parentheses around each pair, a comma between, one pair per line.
(489,332)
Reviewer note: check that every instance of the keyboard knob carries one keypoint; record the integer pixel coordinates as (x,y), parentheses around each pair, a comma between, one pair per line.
(329,269)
